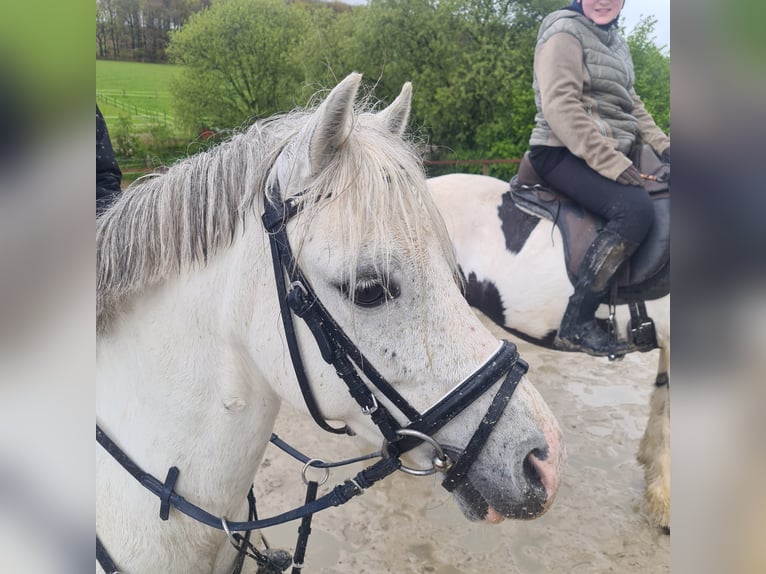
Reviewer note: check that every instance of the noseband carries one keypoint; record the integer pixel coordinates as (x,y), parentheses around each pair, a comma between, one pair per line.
(297,297)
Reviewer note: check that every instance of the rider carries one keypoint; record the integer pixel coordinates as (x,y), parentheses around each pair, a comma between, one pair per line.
(108,173)
(588,120)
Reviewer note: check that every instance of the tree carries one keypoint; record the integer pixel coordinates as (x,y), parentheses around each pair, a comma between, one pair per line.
(240,59)
(471,65)
(138,29)
(108,29)
(328,44)
(652,68)
(470,61)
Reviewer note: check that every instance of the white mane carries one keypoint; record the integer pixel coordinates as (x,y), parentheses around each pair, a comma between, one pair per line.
(167,223)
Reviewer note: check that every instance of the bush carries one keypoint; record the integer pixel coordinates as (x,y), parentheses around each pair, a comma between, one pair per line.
(124,140)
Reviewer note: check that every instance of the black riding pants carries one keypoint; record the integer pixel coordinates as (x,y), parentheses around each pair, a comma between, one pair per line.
(627,209)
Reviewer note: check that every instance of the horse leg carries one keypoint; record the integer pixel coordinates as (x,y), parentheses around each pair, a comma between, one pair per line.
(654,449)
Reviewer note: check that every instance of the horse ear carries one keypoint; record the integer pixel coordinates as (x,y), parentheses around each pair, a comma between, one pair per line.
(395,116)
(334,122)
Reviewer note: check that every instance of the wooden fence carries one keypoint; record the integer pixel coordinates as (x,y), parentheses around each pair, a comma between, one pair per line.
(148,116)
(484,163)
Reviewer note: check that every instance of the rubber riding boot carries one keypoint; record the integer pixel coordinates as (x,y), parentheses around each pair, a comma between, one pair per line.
(579,330)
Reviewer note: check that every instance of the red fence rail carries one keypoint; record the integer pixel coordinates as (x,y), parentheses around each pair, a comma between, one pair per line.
(484,163)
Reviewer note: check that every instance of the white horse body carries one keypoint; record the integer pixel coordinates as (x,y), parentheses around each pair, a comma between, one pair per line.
(192,364)
(532,288)
(217,439)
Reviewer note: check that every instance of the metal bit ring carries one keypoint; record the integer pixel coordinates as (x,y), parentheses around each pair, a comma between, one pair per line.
(440,460)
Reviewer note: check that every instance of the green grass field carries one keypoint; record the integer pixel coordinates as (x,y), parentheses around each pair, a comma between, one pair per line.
(141,93)
(139,90)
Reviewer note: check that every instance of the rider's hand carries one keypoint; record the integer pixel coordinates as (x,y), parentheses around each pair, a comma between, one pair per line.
(631,177)
(666,155)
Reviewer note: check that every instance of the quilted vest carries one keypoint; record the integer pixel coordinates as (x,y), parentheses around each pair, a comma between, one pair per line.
(608,82)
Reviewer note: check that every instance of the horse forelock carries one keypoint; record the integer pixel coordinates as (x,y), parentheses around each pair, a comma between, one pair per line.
(166,223)
(375,185)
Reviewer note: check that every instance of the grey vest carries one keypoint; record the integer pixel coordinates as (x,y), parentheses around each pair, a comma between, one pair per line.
(607,92)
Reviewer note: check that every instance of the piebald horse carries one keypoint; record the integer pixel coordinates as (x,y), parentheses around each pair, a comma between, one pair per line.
(307,244)
(515,272)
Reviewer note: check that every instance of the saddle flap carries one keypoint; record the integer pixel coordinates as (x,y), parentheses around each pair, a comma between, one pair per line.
(579,227)
(538,201)
(654,252)
(533,196)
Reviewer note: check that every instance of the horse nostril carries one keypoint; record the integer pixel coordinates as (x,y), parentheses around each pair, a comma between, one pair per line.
(531,472)
(541,471)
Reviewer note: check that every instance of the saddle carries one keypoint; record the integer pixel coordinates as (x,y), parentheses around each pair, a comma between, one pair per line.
(647,275)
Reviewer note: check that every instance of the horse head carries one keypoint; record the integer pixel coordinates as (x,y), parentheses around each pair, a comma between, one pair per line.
(376,253)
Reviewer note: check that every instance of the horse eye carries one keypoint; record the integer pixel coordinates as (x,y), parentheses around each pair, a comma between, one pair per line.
(371,293)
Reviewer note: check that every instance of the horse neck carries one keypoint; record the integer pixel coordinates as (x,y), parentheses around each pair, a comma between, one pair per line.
(177,384)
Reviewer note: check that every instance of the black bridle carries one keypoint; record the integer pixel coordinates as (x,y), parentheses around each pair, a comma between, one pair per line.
(338,350)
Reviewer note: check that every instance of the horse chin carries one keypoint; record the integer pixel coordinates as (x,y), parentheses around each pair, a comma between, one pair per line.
(476,506)
(480,498)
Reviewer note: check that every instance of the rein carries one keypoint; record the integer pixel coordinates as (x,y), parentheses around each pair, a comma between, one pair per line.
(339,495)
(338,350)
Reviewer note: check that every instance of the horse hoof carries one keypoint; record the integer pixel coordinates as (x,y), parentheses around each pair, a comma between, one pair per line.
(658,507)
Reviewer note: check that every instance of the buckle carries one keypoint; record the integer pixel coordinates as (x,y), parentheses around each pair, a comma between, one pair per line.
(368,410)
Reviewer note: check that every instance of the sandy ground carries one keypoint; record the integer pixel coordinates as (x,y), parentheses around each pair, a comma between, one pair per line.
(408,524)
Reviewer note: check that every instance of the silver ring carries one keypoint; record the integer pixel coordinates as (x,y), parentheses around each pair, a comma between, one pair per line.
(228,532)
(425,438)
(307,465)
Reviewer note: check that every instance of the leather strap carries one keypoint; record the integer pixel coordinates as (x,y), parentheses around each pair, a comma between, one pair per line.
(457,473)
(292,342)
(104,559)
(341,494)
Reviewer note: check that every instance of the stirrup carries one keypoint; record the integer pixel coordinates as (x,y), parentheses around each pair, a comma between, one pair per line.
(613,338)
(578,341)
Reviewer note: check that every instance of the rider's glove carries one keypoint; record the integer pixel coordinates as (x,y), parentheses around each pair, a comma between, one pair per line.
(631,177)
